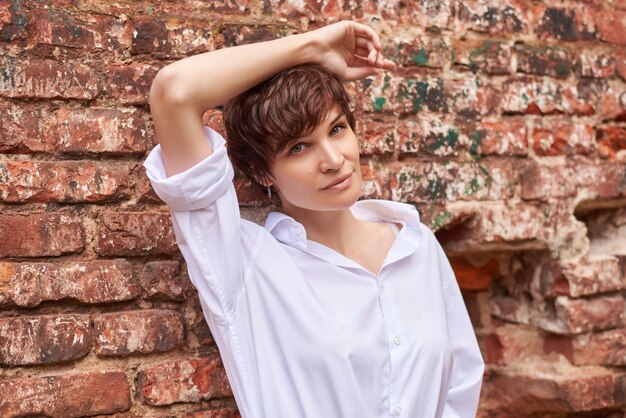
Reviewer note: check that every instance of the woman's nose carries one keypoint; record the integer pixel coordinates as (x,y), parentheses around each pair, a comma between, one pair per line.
(331,158)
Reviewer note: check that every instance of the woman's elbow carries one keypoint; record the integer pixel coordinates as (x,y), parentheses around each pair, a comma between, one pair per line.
(168,88)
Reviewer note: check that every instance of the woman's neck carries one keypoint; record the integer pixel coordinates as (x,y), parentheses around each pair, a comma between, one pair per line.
(334,229)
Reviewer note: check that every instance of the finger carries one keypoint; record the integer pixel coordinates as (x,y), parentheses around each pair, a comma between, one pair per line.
(364,42)
(364,30)
(364,52)
(389,65)
(372,57)
(359,73)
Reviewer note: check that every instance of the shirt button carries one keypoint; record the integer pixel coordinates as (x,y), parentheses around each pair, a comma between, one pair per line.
(396,340)
(397,411)
(382,287)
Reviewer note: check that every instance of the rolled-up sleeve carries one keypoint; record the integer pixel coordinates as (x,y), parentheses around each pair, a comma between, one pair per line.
(206,221)
(468,366)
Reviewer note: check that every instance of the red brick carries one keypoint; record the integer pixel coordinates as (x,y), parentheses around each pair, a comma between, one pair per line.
(583,277)
(40,235)
(415,95)
(432,181)
(69,395)
(606,348)
(543,181)
(183,381)
(612,105)
(162,279)
(574,316)
(544,60)
(470,97)
(129,83)
(142,188)
(199,338)
(47,79)
(44,339)
(117,131)
(474,277)
(492,57)
(63,181)
(425,13)
(215,413)
(378,93)
(620,64)
(171,38)
(135,233)
(417,51)
(502,137)
(249,193)
(27,129)
(429,135)
(497,227)
(13,22)
(600,181)
(540,388)
(563,137)
(233,35)
(89,31)
(511,344)
(565,23)
(612,26)
(101,281)
(547,97)
(375,181)
(146,331)
(230,6)
(597,63)
(23,128)
(376,134)
(491,16)
(611,141)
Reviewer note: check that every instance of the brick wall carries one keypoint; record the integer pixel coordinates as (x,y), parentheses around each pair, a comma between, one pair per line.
(505,123)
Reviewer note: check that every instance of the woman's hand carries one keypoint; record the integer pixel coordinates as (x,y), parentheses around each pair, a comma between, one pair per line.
(350,50)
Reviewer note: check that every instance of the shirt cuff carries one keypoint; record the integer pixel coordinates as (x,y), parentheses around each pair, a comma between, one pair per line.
(197,187)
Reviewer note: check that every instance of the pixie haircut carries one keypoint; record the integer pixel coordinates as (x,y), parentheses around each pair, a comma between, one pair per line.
(263,121)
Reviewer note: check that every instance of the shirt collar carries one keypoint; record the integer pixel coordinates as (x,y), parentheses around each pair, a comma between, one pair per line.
(288,231)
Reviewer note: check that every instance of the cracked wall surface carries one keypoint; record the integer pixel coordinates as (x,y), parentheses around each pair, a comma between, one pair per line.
(504,123)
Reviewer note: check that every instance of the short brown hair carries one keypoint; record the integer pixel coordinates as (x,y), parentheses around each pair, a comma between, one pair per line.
(262,121)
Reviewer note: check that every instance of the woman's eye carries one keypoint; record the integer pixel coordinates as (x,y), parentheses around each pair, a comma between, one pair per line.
(296,149)
(334,131)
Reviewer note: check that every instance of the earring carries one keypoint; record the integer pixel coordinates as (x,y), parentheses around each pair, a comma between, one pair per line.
(269,192)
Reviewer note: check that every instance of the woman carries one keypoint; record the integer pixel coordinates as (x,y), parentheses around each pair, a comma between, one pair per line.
(336,308)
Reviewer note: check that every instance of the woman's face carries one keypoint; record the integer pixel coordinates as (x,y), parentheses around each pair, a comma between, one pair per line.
(307,172)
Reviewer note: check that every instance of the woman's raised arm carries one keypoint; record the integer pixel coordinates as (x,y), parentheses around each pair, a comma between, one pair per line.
(184,90)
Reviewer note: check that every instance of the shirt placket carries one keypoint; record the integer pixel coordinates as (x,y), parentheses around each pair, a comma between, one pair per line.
(396,341)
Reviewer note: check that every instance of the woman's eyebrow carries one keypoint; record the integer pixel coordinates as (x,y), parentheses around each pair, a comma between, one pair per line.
(336,118)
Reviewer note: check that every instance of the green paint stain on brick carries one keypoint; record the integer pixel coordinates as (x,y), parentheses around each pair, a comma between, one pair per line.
(441,219)
(435,189)
(415,91)
(472,187)
(525,97)
(450,139)
(378,104)
(386,82)
(421,57)
(476,141)
(562,69)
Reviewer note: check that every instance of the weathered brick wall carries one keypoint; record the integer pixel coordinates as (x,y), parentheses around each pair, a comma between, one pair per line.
(505,123)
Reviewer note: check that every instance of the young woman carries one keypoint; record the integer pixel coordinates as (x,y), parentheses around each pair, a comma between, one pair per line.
(336,308)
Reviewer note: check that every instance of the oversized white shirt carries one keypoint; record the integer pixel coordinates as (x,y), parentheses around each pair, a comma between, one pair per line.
(304,331)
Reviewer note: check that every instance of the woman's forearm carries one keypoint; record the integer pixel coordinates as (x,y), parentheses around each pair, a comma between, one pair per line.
(212,78)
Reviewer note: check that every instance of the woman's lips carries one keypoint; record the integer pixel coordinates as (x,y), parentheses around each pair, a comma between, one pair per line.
(341,183)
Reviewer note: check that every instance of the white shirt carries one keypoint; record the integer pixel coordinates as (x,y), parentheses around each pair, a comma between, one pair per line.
(304,331)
